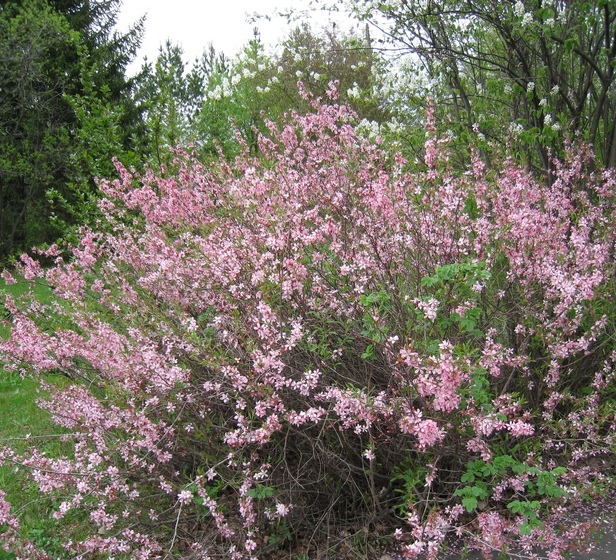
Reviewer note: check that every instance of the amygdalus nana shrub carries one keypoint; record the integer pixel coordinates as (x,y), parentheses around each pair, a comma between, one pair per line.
(314,350)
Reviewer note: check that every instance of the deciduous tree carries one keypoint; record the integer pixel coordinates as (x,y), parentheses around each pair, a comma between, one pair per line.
(537,69)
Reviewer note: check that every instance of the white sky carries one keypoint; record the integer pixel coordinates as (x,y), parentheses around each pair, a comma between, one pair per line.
(193,24)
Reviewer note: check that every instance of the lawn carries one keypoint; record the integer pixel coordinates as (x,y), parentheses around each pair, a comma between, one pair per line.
(21,423)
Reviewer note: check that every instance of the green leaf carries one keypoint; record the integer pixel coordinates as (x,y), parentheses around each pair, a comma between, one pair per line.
(470,208)
(261,492)
(525,529)
(469,503)
(468,477)
(429,281)
(368,353)
(515,506)
(503,461)
(480,490)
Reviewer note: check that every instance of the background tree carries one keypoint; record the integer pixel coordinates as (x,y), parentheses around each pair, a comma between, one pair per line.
(260,85)
(108,54)
(171,96)
(56,68)
(532,68)
(348,58)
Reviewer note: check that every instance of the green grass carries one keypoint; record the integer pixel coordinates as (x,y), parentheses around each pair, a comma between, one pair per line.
(20,417)
(22,424)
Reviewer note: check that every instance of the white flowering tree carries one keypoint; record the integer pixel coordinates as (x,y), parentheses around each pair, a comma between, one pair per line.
(262,85)
(235,101)
(534,68)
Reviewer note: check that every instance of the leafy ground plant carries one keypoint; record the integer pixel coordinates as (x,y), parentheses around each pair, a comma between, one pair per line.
(270,355)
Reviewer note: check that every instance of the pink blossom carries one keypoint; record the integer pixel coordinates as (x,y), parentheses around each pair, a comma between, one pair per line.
(210,336)
(282,509)
(518,428)
(369,454)
(477,445)
(429,308)
(8,277)
(185,497)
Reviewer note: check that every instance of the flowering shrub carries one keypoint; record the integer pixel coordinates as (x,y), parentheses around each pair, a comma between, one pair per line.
(283,351)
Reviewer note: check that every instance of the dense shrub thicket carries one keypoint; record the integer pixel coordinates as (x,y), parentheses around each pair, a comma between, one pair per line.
(274,354)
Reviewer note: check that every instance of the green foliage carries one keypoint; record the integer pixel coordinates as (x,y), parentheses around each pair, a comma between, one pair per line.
(64,111)
(481,476)
(453,284)
(261,492)
(171,97)
(528,510)
(34,131)
(412,478)
(525,72)
(472,494)
(377,305)
(479,388)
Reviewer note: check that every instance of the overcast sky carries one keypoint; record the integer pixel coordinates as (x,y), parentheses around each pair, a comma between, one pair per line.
(193,24)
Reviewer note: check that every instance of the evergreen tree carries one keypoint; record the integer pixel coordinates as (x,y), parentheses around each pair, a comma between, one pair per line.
(60,64)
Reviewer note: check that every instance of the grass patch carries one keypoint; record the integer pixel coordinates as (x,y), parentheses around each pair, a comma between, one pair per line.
(38,290)
(22,424)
